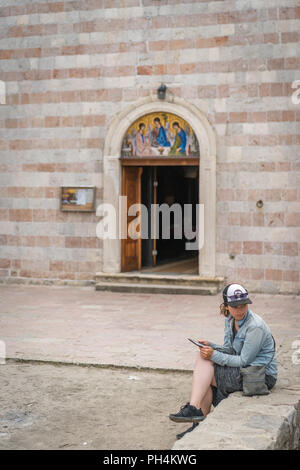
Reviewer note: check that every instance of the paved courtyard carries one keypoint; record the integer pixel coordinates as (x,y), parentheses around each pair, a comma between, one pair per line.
(58,406)
(79,324)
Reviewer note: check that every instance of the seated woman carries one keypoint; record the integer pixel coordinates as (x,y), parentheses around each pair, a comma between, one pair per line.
(248,341)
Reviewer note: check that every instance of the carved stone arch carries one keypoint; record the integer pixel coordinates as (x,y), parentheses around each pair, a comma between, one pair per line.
(111,261)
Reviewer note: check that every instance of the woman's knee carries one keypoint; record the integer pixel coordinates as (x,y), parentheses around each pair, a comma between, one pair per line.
(203,363)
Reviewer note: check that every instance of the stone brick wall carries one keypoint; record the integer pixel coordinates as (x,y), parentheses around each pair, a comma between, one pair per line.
(70,66)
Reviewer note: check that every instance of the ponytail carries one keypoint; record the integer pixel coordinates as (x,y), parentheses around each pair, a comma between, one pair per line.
(224,310)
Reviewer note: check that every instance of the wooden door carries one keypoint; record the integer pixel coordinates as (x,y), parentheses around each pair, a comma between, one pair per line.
(131,248)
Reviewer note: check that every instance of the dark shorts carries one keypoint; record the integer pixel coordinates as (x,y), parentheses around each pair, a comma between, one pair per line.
(227,380)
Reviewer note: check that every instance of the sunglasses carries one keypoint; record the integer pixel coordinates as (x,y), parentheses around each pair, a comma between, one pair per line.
(237,296)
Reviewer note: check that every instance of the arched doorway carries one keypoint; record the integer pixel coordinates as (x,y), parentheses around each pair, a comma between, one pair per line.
(160,175)
(112,173)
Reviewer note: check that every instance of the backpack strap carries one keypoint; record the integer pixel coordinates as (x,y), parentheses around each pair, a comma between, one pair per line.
(273,352)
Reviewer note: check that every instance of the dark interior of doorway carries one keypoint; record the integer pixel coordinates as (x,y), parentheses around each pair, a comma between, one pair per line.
(172,184)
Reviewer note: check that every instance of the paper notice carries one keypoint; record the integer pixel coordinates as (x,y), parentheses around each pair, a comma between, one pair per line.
(80,197)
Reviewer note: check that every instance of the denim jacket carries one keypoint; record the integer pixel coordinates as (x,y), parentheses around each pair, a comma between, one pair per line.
(253,345)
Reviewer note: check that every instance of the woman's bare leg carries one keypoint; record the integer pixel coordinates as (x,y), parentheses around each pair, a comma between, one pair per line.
(203,378)
(206,402)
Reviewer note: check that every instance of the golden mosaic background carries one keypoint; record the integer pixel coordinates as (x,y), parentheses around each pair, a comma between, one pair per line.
(148,119)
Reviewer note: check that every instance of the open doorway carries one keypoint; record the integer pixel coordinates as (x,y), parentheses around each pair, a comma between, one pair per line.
(170,185)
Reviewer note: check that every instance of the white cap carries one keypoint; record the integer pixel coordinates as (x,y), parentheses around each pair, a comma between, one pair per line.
(235,294)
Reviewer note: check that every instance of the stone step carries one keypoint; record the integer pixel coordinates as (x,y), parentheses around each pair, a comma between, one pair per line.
(155,288)
(169,280)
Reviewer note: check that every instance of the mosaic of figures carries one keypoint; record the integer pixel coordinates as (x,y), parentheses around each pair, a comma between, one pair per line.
(160,135)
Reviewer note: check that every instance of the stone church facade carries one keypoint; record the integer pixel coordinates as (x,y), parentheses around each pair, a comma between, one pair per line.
(78,74)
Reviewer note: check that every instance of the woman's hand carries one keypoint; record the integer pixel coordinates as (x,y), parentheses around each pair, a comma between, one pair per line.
(203,341)
(206,352)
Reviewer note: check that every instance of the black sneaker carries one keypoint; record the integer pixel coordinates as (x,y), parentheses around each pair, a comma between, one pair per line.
(187,414)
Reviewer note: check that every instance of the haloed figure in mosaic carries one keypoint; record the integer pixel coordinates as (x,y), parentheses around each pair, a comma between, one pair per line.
(159,136)
(178,148)
(247,341)
(143,148)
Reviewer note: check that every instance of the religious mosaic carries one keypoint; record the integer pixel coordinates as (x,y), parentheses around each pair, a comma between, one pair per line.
(160,135)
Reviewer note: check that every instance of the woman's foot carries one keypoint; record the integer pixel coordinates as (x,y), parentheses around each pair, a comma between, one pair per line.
(187,414)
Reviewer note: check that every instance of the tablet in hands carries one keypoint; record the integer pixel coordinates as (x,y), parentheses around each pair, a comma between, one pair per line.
(200,345)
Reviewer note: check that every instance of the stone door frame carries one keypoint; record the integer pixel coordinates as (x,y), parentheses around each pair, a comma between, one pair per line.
(111,259)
